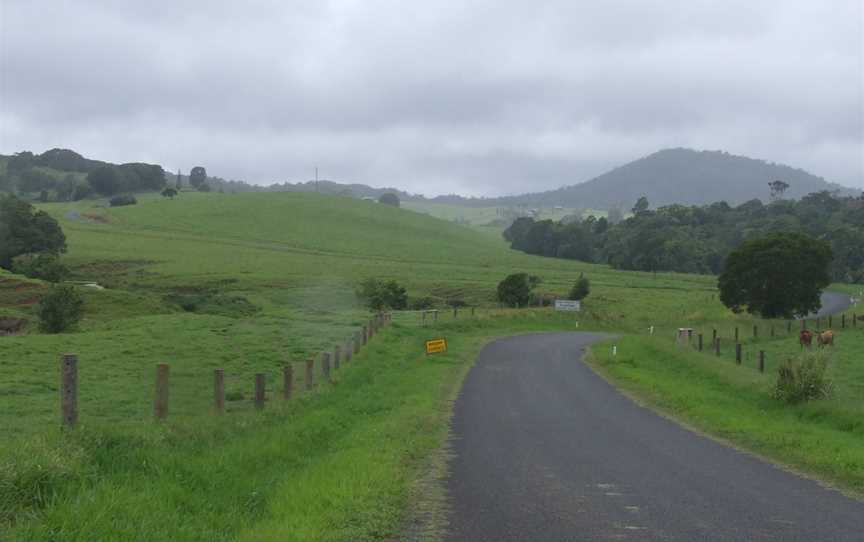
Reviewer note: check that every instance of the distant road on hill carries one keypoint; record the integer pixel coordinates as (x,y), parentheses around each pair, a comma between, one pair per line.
(832,303)
(545,449)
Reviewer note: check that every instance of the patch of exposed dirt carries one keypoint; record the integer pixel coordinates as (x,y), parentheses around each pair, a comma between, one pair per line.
(11,326)
(99,219)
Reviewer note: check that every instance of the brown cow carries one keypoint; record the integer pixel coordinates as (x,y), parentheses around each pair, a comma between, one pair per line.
(805,338)
(826,338)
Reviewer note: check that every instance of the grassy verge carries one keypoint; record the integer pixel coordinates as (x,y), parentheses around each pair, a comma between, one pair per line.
(335,464)
(821,438)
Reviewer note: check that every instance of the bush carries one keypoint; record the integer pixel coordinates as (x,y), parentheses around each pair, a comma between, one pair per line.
(580,289)
(379,295)
(60,310)
(389,199)
(124,199)
(803,379)
(422,303)
(40,266)
(515,290)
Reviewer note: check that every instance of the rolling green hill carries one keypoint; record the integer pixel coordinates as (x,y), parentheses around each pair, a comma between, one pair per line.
(251,283)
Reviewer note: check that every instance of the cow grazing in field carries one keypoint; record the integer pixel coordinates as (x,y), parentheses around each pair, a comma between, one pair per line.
(825,338)
(805,338)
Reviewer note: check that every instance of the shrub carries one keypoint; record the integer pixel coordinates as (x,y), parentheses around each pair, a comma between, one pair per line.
(803,379)
(379,295)
(123,199)
(40,266)
(581,288)
(515,290)
(421,303)
(389,199)
(60,309)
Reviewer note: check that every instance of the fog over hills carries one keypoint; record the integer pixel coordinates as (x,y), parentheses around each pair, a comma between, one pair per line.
(675,176)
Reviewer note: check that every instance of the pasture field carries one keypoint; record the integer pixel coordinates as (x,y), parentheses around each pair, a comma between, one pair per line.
(480,216)
(251,282)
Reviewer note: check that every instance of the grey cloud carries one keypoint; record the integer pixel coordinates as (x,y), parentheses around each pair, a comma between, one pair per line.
(477,98)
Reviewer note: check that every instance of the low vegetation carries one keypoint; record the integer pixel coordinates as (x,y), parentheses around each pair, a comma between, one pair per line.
(60,310)
(804,378)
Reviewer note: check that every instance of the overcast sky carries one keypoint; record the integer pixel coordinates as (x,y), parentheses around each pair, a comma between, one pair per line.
(472,97)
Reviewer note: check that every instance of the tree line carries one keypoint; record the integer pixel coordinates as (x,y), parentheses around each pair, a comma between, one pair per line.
(698,239)
(64,175)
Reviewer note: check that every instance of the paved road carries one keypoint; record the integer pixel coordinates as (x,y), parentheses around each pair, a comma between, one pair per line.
(545,450)
(832,303)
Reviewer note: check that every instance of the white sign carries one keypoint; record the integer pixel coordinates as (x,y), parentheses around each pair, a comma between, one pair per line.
(568,305)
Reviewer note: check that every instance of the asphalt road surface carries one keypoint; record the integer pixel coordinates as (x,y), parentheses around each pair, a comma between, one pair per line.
(545,450)
(832,303)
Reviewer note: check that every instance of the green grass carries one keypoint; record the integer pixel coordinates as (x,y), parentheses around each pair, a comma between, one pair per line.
(294,259)
(480,216)
(335,464)
(271,280)
(824,438)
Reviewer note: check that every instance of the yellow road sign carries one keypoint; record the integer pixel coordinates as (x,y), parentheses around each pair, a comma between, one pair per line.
(435,346)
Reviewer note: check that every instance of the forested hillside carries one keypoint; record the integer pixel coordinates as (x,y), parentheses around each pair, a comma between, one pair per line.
(697,239)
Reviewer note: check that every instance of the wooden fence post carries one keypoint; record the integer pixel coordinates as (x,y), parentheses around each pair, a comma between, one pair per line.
(755,332)
(772,331)
(803,324)
(714,336)
(287,381)
(761,361)
(738,353)
(325,365)
(337,357)
(789,326)
(349,349)
(455,312)
(736,334)
(160,404)
(843,321)
(435,316)
(717,346)
(854,320)
(700,342)
(357,341)
(310,376)
(370,328)
(259,390)
(830,321)
(423,314)
(219,390)
(365,335)
(69,390)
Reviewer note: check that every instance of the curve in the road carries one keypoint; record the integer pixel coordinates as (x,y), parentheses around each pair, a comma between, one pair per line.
(832,303)
(546,450)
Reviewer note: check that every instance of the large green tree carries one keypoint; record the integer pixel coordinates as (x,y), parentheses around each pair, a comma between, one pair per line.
(24,230)
(777,276)
(198,177)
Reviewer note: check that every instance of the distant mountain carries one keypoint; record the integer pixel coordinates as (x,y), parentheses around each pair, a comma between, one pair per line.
(674,176)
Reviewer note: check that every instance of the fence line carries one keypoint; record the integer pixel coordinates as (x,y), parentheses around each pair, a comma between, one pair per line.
(351,347)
